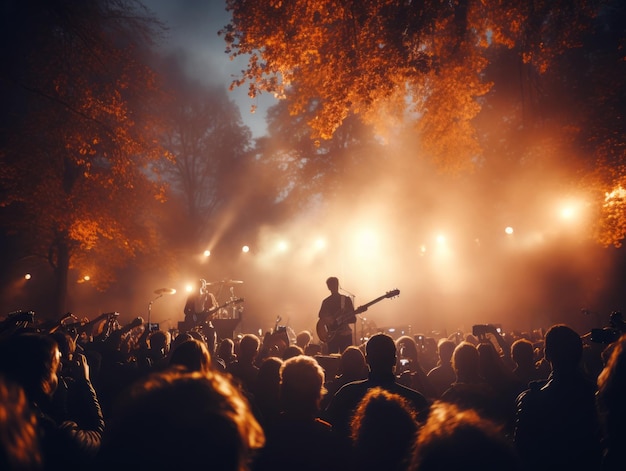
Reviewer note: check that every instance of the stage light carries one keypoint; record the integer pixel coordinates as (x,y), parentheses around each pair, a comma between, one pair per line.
(441,240)
(508,230)
(207,253)
(320,244)
(189,288)
(245,249)
(282,246)
(86,278)
(27,276)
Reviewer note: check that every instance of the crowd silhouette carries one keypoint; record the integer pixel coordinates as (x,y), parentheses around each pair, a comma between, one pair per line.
(104,396)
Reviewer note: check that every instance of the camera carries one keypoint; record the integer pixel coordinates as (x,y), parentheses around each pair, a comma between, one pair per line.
(606,335)
(153,327)
(480,330)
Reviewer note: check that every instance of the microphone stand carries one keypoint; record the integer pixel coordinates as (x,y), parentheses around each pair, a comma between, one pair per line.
(150,308)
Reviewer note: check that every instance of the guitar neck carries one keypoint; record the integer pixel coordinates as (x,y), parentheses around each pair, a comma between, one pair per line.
(364,307)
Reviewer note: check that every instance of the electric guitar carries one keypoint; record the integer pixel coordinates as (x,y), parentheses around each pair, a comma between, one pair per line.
(206,315)
(328,326)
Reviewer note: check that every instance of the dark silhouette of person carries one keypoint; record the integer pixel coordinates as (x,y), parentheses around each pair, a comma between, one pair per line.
(557,425)
(381,357)
(455,439)
(244,369)
(408,366)
(611,403)
(32,360)
(383,431)
(470,391)
(336,314)
(177,419)
(19,443)
(192,354)
(442,376)
(266,391)
(298,438)
(352,367)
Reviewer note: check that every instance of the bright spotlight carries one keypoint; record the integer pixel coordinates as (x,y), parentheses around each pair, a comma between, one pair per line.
(245,249)
(441,239)
(207,253)
(27,276)
(86,278)
(282,246)
(508,230)
(189,288)
(320,244)
(568,212)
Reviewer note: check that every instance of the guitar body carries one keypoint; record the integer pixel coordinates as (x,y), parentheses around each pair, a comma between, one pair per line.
(198,318)
(326,328)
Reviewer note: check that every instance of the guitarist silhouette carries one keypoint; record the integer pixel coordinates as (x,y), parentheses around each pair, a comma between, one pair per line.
(337,312)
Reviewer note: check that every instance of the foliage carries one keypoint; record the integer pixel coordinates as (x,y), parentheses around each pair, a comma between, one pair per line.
(76,173)
(531,88)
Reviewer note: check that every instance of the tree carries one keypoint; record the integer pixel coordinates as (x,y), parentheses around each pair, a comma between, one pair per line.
(77,184)
(448,66)
(210,146)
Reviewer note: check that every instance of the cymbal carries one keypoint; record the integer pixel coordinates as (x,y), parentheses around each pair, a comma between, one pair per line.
(165,291)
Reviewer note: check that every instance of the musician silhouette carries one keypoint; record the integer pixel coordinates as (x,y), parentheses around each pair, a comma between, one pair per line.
(336,313)
(198,304)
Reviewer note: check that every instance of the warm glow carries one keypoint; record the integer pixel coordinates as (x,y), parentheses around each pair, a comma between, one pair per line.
(86,278)
(508,230)
(282,246)
(189,288)
(27,276)
(207,253)
(245,249)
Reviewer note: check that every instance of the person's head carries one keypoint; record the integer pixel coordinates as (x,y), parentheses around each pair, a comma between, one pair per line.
(226,349)
(19,441)
(407,348)
(563,348)
(333,284)
(383,429)
(192,354)
(445,349)
(352,362)
(380,352)
(292,351)
(303,339)
(249,348)
(453,438)
(176,419)
(32,360)
(301,385)
(465,362)
(523,353)
(160,341)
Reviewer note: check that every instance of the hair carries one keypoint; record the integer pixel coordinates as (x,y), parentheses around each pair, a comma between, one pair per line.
(352,361)
(249,347)
(445,350)
(19,441)
(453,438)
(332,282)
(31,360)
(292,351)
(523,352)
(160,340)
(563,347)
(303,338)
(181,419)
(465,359)
(301,385)
(380,351)
(383,429)
(193,354)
